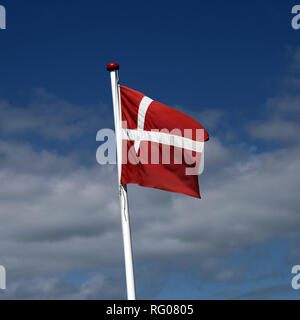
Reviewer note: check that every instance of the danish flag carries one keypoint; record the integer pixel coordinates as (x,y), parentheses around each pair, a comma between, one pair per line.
(161,147)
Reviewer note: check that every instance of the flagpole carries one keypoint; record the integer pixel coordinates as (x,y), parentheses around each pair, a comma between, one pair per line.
(113,69)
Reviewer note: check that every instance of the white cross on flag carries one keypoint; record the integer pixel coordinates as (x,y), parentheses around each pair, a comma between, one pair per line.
(161,147)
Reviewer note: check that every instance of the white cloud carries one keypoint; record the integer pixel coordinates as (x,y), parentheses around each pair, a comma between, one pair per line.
(50,117)
(287,104)
(282,112)
(99,286)
(56,222)
(277,129)
(211,117)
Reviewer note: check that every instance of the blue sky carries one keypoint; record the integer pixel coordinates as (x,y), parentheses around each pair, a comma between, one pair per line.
(233,65)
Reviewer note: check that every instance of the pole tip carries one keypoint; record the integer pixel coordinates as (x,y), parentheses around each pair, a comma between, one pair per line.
(112,66)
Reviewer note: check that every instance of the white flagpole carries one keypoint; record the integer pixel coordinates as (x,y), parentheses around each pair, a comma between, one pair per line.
(113,69)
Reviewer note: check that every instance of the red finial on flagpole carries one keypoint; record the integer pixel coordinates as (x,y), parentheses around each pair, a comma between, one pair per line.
(112,66)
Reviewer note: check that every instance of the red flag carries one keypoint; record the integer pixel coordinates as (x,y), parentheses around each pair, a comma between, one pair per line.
(161,147)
